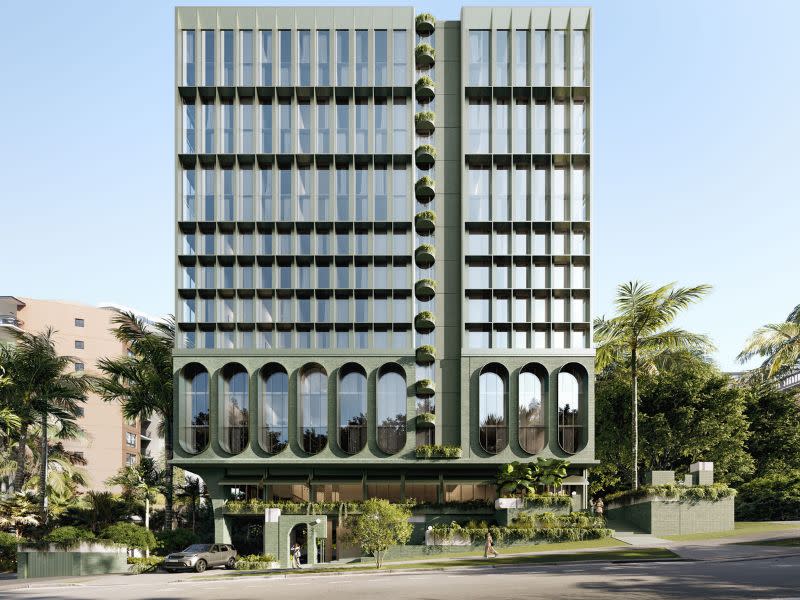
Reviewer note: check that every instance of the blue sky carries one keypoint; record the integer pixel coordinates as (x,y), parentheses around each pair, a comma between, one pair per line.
(695,133)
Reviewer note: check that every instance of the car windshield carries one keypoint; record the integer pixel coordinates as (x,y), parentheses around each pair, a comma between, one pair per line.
(198,548)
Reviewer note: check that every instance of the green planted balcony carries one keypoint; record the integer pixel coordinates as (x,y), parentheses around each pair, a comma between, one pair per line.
(425,255)
(436,451)
(425,387)
(425,289)
(424,321)
(425,89)
(425,155)
(425,222)
(425,122)
(425,355)
(425,189)
(425,24)
(425,56)
(426,420)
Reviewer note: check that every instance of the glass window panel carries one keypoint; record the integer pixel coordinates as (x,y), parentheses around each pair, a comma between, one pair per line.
(381,57)
(342,128)
(501,56)
(381,127)
(521,51)
(559,57)
(400,56)
(188,57)
(342,57)
(478,57)
(246,128)
(500,128)
(285,54)
(246,54)
(266,128)
(323,57)
(400,142)
(478,127)
(323,128)
(540,57)
(304,56)
(227,57)
(266,57)
(208,57)
(362,56)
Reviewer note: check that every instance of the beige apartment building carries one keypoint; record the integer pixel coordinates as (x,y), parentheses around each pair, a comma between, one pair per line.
(84,332)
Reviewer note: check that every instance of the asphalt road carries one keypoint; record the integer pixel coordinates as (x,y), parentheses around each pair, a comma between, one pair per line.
(775,577)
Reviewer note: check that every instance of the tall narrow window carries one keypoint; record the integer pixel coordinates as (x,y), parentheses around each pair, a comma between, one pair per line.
(342,57)
(189,129)
(578,57)
(227,57)
(246,54)
(313,409)
(579,200)
(304,56)
(559,129)
(266,128)
(500,195)
(478,124)
(266,57)
(208,129)
(381,127)
(246,128)
(493,384)
(227,128)
(578,128)
(304,128)
(285,54)
(342,128)
(274,408)
(208,57)
(303,198)
(400,204)
(381,57)
(540,133)
(521,126)
(400,123)
(571,397)
(189,195)
(323,57)
(285,127)
(285,183)
(323,128)
(558,196)
(500,127)
(362,127)
(352,408)
(521,52)
(381,194)
(227,195)
(501,56)
(362,203)
(188,57)
(194,432)
(400,56)
(478,57)
(532,436)
(234,409)
(540,57)
(246,197)
(391,409)
(343,195)
(559,57)
(362,56)
(323,202)
(478,199)
(521,198)
(209,194)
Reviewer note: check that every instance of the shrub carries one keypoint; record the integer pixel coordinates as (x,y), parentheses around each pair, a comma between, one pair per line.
(425,180)
(437,451)
(426,417)
(564,528)
(773,497)
(674,491)
(548,501)
(427,214)
(424,49)
(427,148)
(8,551)
(379,526)
(426,248)
(254,562)
(150,564)
(427,349)
(130,536)
(425,115)
(425,314)
(425,18)
(169,541)
(424,81)
(69,536)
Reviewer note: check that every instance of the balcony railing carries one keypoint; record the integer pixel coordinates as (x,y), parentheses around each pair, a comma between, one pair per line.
(10,320)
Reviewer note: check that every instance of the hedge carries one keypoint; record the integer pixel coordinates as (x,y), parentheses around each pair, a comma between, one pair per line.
(674,491)
(254,562)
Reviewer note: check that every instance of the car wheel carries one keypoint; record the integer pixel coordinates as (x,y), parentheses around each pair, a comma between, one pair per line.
(200,566)
(231,563)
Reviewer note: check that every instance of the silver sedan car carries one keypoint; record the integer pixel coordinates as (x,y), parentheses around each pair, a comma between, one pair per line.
(201,557)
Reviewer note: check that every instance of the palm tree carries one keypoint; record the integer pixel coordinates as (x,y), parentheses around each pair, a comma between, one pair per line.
(778,342)
(17,512)
(640,336)
(142,381)
(136,484)
(44,388)
(192,491)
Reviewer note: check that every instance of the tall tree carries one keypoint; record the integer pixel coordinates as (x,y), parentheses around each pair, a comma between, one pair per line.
(192,491)
(142,382)
(43,388)
(777,343)
(640,335)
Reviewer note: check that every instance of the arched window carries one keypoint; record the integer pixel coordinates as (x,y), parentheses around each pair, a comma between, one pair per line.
(352,408)
(314,409)
(571,398)
(391,409)
(492,408)
(274,408)
(234,409)
(532,431)
(194,433)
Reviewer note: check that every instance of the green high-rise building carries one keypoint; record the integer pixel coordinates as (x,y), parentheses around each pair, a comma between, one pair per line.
(383,250)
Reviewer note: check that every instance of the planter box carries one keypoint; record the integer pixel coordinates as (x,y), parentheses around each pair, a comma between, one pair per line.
(87,558)
(663,516)
(425,190)
(425,257)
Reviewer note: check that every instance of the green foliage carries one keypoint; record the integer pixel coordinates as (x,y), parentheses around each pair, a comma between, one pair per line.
(428,149)
(777,343)
(426,248)
(425,18)
(141,564)
(772,497)
(428,215)
(18,512)
(424,81)
(8,551)
(426,315)
(521,479)
(425,180)
(424,49)
(174,540)
(425,115)
(674,491)
(426,417)
(543,527)
(438,451)
(254,562)
(774,417)
(562,501)
(689,412)
(427,350)
(379,526)
(68,536)
(130,536)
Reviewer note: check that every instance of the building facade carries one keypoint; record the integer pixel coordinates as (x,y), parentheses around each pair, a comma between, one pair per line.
(383,250)
(84,332)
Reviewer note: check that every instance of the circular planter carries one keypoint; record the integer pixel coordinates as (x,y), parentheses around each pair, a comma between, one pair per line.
(425,56)
(425,355)
(424,322)
(425,89)
(425,157)
(425,387)
(425,122)
(425,222)
(426,420)
(425,255)
(425,289)
(425,189)
(425,24)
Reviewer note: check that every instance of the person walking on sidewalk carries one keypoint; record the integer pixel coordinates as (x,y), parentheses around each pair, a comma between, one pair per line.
(489,549)
(296,556)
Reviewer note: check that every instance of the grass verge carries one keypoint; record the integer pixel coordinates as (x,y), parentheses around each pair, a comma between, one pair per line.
(785,543)
(522,549)
(743,528)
